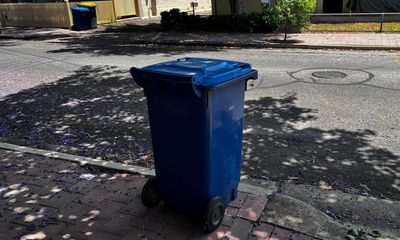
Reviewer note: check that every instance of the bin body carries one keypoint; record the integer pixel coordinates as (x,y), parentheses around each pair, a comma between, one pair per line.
(196,127)
(81,18)
(92,13)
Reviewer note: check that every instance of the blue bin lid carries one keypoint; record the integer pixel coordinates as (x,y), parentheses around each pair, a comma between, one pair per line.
(80,9)
(202,71)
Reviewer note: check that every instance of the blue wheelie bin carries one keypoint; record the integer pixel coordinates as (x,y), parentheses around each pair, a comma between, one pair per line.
(81,18)
(195,108)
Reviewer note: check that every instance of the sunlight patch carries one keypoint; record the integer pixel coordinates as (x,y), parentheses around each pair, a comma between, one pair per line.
(34,236)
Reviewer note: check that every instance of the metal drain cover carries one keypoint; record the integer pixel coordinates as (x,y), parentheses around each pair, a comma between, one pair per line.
(332,76)
(329,74)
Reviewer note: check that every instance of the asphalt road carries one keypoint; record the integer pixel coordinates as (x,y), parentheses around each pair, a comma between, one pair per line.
(324,118)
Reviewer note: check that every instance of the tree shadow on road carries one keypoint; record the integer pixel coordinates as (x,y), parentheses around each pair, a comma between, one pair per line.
(97,112)
(274,149)
(100,112)
(118,42)
(8,43)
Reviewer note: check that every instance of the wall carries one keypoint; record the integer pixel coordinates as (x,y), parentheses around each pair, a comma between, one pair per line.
(251,6)
(320,4)
(152,8)
(124,8)
(222,7)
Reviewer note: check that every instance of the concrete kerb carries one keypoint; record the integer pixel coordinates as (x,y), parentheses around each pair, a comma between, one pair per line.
(33,37)
(243,187)
(267,45)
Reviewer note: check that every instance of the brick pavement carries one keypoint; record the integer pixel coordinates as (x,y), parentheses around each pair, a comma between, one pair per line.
(45,198)
(349,40)
(312,40)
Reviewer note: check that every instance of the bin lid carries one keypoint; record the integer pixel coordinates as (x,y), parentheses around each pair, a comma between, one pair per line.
(202,71)
(87,4)
(80,9)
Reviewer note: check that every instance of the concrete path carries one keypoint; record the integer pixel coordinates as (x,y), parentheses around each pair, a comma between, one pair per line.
(362,41)
(46,198)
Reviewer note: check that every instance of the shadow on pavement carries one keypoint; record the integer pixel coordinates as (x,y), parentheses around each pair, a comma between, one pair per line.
(124,43)
(134,27)
(130,38)
(100,112)
(8,43)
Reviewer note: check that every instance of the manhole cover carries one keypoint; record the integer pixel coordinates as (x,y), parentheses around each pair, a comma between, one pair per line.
(332,76)
(329,74)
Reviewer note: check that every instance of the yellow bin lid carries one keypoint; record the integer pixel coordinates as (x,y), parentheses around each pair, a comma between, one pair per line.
(87,4)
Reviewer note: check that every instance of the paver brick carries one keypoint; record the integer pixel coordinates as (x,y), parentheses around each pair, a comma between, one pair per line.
(240,229)
(120,224)
(36,169)
(228,221)
(136,233)
(63,166)
(262,232)
(176,218)
(99,235)
(153,221)
(107,208)
(53,229)
(59,200)
(230,215)
(94,197)
(76,232)
(173,232)
(43,179)
(83,186)
(282,234)
(231,211)
(135,208)
(252,207)
(220,233)
(239,200)
(72,212)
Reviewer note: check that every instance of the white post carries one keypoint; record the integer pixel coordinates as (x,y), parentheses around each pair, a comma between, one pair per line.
(71,21)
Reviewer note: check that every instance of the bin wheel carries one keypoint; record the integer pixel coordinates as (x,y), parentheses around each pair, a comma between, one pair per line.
(150,194)
(214,214)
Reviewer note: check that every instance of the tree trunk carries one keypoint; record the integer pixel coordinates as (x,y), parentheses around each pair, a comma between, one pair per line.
(287,25)
(238,6)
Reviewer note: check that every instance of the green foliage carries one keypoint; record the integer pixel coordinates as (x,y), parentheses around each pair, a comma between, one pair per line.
(311,5)
(246,22)
(111,18)
(360,234)
(292,15)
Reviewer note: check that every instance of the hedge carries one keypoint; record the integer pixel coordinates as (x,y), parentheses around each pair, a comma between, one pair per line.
(246,22)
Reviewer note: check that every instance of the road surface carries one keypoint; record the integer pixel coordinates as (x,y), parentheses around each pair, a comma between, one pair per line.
(324,118)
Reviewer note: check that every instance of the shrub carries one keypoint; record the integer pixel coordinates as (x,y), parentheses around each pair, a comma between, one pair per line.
(291,15)
(246,22)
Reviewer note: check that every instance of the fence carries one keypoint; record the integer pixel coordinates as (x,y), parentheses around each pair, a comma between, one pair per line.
(35,15)
(48,14)
(104,11)
(124,8)
(354,17)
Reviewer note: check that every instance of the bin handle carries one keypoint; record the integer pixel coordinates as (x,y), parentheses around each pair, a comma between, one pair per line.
(196,88)
(139,81)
